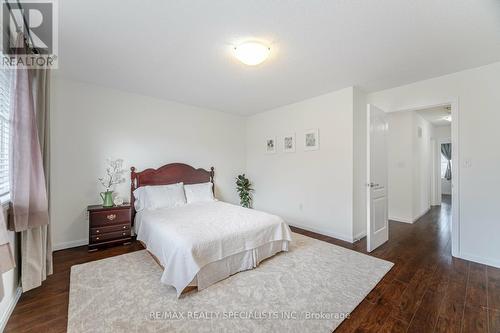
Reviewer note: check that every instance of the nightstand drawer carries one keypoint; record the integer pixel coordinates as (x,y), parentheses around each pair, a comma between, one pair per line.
(111,217)
(113,228)
(110,236)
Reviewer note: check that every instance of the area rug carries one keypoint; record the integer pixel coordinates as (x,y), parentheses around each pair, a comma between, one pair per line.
(311,288)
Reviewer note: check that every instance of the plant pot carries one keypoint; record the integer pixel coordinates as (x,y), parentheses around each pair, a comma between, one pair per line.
(107,198)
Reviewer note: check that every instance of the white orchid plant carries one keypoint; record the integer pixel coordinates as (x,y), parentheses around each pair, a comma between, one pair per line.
(114,174)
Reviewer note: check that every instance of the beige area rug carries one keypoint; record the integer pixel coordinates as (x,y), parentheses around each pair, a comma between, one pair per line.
(311,288)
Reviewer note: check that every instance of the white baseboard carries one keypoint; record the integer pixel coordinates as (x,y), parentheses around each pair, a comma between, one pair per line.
(12,304)
(481,260)
(408,220)
(400,219)
(359,236)
(323,232)
(70,244)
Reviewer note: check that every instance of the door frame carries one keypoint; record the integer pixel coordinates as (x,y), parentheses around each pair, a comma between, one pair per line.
(455,166)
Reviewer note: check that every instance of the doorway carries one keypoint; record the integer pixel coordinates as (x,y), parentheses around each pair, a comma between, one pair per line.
(420,161)
(422,150)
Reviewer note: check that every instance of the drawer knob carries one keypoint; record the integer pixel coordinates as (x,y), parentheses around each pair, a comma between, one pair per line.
(97,238)
(124,227)
(97,231)
(124,233)
(111,217)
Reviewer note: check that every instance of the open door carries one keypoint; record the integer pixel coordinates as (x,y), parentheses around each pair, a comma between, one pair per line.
(377,160)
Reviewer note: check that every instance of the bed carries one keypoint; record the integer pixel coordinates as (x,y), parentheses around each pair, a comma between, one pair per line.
(201,243)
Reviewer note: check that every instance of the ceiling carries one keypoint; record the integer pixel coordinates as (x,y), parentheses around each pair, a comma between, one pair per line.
(435,115)
(182,50)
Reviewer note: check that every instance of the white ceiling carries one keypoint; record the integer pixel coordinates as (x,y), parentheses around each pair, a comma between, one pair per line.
(435,115)
(181,50)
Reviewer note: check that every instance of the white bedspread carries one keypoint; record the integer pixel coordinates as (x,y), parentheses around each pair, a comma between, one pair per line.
(187,238)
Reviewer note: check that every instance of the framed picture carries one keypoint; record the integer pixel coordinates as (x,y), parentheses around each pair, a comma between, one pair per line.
(289,143)
(271,145)
(311,139)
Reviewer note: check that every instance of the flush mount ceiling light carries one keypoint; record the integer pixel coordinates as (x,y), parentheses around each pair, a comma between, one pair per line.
(252,53)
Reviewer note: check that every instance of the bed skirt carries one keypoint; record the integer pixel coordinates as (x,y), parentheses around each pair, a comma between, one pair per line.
(221,269)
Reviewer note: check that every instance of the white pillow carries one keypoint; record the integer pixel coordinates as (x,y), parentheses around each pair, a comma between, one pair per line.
(199,192)
(160,196)
(165,196)
(140,198)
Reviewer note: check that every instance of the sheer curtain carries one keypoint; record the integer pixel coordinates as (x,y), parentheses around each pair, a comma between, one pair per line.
(29,172)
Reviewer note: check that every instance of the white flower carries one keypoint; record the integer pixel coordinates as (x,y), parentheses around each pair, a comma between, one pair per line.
(114,174)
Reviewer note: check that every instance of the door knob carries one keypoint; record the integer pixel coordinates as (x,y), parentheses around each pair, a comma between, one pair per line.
(373,185)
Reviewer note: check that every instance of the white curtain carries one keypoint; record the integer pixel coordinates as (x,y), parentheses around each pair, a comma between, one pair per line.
(29,171)
(36,243)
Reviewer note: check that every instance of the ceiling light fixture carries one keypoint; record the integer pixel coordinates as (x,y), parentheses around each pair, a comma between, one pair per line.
(252,53)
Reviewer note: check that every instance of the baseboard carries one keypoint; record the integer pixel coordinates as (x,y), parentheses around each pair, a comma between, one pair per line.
(407,220)
(359,236)
(323,232)
(12,304)
(67,245)
(400,219)
(481,260)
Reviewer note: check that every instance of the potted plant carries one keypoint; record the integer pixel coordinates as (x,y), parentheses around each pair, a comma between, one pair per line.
(114,176)
(244,188)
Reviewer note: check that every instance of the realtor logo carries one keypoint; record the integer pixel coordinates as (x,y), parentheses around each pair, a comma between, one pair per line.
(36,21)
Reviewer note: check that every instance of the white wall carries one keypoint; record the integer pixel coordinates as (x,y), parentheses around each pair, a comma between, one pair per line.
(359,167)
(445,186)
(400,166)
(442,133)
(310,189)
(90,123)
(409,171)
(422,160)
(476,91)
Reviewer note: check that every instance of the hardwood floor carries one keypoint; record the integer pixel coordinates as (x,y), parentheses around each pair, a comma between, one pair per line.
(426,291)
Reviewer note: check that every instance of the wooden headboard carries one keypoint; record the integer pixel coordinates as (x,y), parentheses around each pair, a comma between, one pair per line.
(168,174)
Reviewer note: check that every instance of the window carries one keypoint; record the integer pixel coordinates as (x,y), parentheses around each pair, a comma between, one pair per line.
(444,165)
(4,131)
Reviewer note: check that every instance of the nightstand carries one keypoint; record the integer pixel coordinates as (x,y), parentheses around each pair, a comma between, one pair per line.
(109,225)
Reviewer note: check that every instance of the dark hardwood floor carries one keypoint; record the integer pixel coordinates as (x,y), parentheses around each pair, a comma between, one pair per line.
(426,291)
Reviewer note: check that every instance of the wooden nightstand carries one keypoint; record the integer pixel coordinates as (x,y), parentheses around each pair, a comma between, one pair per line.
(109,225)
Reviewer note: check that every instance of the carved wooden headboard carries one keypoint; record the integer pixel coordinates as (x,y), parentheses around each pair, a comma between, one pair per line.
(168,174)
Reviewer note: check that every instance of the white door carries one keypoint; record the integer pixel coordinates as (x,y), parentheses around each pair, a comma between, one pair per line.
(377,215)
